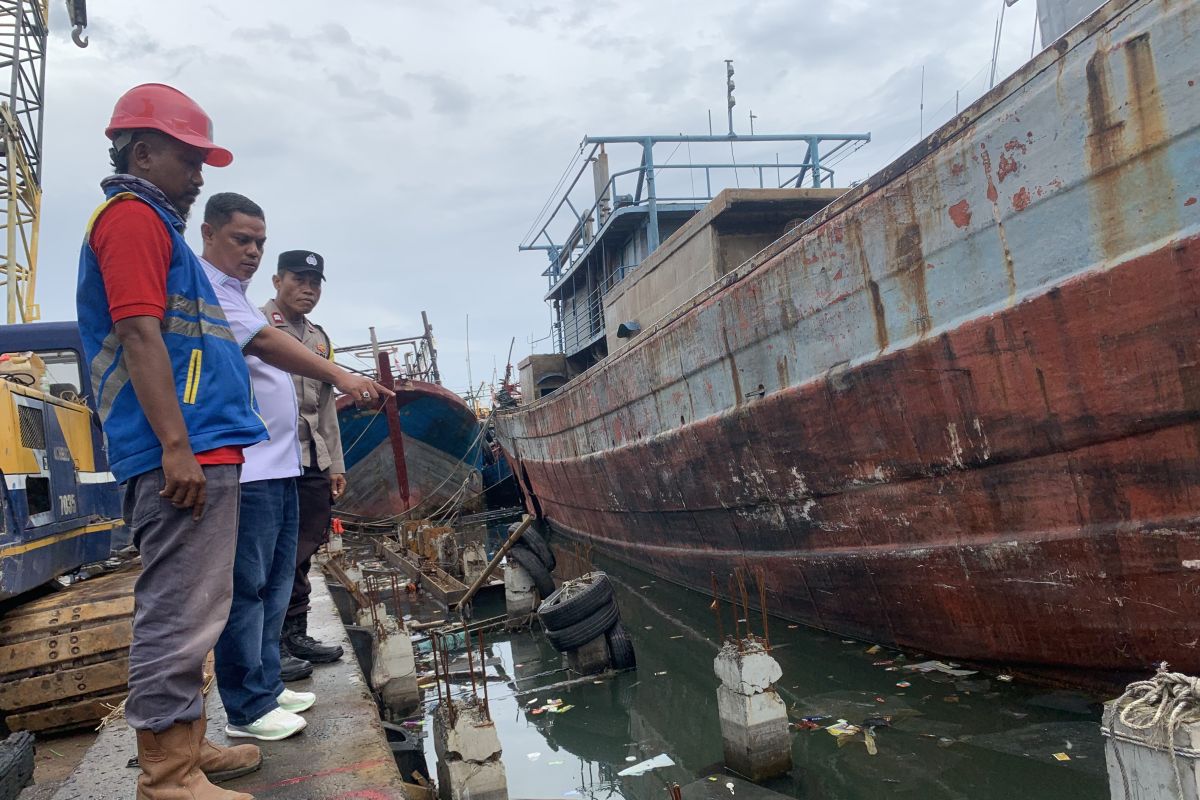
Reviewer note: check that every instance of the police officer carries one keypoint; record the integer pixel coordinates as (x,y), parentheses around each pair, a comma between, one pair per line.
(297,283)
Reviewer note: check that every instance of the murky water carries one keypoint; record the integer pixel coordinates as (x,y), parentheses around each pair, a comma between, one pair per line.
(973,737)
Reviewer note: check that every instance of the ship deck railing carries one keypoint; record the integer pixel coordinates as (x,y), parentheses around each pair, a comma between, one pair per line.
(589,226)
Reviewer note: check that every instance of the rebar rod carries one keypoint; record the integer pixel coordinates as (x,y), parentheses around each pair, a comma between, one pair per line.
(762,604)
(437,678)
(487,710)
(716,607)
(737,623)
(471,666)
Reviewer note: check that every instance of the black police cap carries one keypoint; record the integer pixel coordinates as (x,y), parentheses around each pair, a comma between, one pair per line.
(302,261)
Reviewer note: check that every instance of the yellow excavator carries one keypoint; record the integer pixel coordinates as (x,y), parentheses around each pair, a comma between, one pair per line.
(64,645)
(63,640)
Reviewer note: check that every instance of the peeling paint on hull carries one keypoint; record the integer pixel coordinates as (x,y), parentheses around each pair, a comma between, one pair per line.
(979,433)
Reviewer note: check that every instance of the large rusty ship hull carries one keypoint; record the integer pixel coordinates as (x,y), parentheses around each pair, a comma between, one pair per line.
(958,410)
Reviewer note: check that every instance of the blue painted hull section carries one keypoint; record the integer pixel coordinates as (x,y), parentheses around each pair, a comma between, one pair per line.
(442,446)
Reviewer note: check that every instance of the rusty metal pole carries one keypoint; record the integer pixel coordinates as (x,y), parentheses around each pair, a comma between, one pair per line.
(449,696)
(737,623)
(470,663)
(491,567)
(745,600)
(437,677)
(487,709)
(762,604)
(716,607)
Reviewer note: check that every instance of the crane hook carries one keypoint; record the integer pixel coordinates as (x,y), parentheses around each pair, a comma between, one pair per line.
(78,37)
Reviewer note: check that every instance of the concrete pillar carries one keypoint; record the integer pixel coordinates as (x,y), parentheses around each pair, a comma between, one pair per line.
(590,658)
(468,754)
(474,560)
(334,546)
(1139,765)
(520,596)
(363,618)
(394,668)
(754,723)
(354,576)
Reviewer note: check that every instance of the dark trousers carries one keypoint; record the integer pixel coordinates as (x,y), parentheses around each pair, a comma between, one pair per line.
(181,598)
(316,508)
(247,654)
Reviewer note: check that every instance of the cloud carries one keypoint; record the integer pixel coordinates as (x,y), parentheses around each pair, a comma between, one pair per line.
(414,147)
(450,97)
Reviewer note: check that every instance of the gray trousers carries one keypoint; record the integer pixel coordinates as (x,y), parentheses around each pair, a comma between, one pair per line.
(182,596)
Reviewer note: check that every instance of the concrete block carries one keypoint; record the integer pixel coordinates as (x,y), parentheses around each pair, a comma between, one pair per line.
(1139,763)
(474,560)
(520,596)
(471,738)
(394,669)
(747,671)
(468,755)
(591,658)
(754,730)
(462,780)
(364,619)
(354,576)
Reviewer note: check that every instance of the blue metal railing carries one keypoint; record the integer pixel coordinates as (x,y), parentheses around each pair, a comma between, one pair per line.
(589,224)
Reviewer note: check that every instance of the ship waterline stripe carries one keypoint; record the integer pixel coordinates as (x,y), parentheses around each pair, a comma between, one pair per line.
(18,549)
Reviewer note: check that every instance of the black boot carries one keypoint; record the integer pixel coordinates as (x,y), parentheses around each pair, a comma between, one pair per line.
(301,645)
(290,667)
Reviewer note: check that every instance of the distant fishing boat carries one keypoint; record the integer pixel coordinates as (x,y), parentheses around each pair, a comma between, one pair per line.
(422,453)
(955,408)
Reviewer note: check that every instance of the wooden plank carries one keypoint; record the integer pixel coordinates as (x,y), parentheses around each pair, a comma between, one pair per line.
(105,587)
(66,647)
(443,586)
(48,622)
(63,685)
(71,715)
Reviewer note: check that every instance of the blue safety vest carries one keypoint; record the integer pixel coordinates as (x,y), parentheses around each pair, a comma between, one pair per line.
(211,380)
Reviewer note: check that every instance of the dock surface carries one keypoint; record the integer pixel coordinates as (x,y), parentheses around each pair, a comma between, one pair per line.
(342,754)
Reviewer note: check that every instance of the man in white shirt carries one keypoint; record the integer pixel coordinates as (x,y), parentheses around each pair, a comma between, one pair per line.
(247,654)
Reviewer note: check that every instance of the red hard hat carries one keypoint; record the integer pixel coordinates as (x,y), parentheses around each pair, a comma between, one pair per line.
(164,108)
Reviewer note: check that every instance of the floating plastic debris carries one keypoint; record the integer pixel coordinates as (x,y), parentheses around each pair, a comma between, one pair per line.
(661,760)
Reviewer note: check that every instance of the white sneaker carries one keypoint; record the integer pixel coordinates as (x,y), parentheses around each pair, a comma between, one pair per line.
(270,727)
(295,702)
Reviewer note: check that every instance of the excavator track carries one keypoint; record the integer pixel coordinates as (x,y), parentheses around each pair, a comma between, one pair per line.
(64,658)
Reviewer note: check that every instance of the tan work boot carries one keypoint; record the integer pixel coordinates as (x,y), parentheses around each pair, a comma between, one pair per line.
(169,768)
(220,764)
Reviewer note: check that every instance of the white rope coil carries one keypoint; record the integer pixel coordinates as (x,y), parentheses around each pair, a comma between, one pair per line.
(1161,704)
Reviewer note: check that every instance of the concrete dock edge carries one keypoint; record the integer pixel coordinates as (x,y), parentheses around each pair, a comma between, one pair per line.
(342,754)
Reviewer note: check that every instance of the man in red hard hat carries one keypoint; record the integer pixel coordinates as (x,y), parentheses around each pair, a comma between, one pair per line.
(173,394)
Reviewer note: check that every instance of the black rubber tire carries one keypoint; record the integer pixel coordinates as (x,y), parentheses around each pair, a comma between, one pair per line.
(534,541)
(620,647)
(536,569)
(581,633)
(580,603)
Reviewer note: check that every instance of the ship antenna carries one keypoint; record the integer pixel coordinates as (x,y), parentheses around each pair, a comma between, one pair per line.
(729,86)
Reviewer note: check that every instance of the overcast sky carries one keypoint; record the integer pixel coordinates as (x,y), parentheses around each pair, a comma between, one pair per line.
(413,143)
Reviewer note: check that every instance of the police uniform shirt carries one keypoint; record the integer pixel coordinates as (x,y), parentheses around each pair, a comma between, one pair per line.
(318,424)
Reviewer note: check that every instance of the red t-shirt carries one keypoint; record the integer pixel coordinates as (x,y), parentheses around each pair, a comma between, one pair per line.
(133,249)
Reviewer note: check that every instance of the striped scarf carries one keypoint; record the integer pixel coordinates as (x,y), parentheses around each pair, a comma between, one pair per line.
(143,187)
